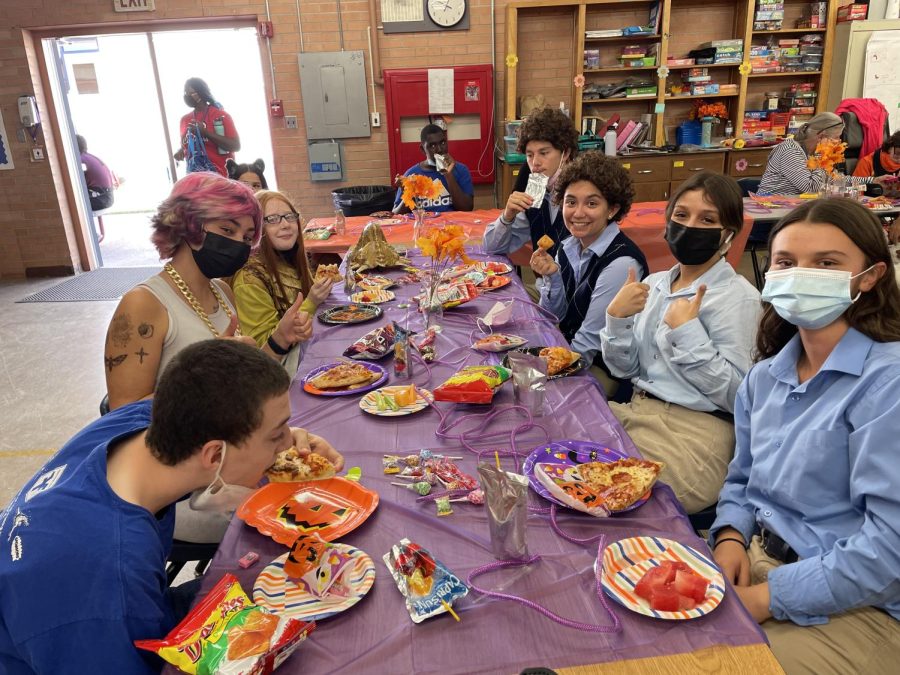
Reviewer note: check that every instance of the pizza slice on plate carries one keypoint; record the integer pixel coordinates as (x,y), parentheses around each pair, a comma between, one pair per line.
(328,272)
(342,375)
(290,466)
(620,483)
(558,359)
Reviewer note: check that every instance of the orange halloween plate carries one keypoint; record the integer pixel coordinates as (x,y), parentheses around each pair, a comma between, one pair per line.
(331,508)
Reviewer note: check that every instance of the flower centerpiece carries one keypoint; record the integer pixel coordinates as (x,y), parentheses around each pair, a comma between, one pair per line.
(828,154)
(708,114)
(416,189)
(445,245)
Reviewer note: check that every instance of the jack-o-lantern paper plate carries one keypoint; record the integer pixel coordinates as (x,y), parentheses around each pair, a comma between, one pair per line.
(330,508)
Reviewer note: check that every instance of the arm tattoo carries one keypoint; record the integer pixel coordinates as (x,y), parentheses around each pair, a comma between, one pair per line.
(113,361)
(141,354)
(145,330)
(120,330)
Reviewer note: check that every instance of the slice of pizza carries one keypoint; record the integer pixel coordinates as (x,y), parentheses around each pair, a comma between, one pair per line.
(621,483)
(290,466)
(558,359)
(328,272)
(343,375)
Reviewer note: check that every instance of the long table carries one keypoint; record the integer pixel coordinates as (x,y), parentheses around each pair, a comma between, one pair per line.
(494,636)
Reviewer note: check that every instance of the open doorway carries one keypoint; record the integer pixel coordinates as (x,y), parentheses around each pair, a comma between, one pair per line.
(123,94)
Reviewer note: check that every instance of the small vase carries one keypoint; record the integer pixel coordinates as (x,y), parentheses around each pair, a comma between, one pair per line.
(432,309)
(418,226)
(706,125)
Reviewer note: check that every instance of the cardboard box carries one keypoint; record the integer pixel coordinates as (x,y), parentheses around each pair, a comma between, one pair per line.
(852,13)
(704,89)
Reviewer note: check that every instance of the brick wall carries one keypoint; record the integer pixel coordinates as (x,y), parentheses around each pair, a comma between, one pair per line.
(39,235)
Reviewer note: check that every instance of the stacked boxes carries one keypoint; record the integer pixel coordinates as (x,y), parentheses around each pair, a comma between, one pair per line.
(853,12)
(815,15)
(769,15)
(788,55)
(727,51)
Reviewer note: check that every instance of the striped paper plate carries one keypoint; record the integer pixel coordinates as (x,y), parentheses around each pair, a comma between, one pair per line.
(626,560)
(370,405)
(273,591)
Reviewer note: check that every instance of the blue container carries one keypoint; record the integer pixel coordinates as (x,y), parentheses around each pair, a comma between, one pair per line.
(688,133)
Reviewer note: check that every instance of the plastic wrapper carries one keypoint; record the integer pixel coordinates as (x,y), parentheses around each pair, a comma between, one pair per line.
(498,342)
(506,499)
(529,376)
(374,345)
(537,188)
(317,566)
(425,344)
(425,583)
(319,233)
(564,485)
(229,635)
(402,361)
(472,384)
(453,295)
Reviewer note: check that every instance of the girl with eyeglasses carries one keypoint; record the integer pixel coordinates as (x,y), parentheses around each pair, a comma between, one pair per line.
(275,275)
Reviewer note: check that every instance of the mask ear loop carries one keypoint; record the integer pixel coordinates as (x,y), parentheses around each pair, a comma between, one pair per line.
(859,293)
(726,245)
(482,325)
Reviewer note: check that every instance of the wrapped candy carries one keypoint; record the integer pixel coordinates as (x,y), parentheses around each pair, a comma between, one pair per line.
(374,345)
(429,587)
(425,344)
(422,487)
(443,506)
(475,497)
(473,384)
(391,464)
(402,363)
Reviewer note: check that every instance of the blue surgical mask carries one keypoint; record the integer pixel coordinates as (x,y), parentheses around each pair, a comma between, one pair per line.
(809,298)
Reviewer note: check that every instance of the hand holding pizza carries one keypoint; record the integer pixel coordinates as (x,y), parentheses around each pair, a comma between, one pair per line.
(307,443)
(630,299)
(295,326)
(320,290)
(681,310)
(542,263)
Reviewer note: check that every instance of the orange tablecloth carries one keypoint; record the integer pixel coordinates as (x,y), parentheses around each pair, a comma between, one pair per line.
(645,224)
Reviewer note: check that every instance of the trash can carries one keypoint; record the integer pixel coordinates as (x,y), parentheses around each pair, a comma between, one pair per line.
(362,200)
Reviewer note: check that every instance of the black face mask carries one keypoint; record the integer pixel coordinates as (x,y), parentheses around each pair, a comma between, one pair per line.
(693,245)
(221,256)
(190,102)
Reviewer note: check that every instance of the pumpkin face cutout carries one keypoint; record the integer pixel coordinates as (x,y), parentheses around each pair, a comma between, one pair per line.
(307,515)
(316,565)
(305,555)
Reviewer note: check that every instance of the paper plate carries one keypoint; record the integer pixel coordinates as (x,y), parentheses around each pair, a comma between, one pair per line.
(375,282)
(273,591)
(571,453)
(495,267)
(360,312)
(386,222)
(375,296)
(507,342)
(369,404)
(625,562)
(493,282)
(331,507)
(579,365)
(345,391)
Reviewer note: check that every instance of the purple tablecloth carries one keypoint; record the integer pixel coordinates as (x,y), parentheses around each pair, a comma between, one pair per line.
(377,635)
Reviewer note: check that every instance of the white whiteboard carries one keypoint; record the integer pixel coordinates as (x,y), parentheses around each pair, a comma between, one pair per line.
(882,77)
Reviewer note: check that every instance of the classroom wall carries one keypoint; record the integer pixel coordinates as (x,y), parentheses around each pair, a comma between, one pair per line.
(38,234)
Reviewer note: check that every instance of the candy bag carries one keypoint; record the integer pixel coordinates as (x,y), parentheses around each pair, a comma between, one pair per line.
(227,634)
(374,345)
(402,362)
(424,582)
(473,384)
(317,565)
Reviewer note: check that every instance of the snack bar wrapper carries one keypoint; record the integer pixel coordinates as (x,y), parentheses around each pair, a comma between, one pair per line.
(537,188)
(227,634)
(402,360)
(473,384)
(424,582)
(506,498)
(374,345)
(425,344)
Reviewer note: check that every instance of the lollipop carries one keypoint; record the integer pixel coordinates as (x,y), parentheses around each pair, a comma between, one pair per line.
(422,487)
(475,497)
(443,506)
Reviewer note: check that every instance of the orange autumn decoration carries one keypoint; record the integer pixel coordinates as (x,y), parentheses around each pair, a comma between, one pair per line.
(701,110)
(444,245)
(417,187)
(829,152)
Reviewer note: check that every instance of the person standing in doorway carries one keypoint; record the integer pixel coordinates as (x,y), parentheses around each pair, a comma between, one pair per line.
(100,180)
(211,122)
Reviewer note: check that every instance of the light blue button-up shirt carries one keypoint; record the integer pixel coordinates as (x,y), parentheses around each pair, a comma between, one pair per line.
(700,364)
(553,291)
(817,464)
(502,238)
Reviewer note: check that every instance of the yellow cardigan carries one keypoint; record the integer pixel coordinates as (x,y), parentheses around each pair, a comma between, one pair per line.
(259,302)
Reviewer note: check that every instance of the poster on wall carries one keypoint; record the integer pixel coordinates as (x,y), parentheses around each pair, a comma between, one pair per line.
(440,91)
(6,161)
(882,79)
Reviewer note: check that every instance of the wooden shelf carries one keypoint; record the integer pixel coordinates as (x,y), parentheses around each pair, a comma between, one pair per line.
(789,31)
(708,65)
(613,69)
(620,100)
(807,73)
(670,97)
(625,38)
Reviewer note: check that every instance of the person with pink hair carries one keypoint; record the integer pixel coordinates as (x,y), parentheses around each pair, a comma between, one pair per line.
(204,230)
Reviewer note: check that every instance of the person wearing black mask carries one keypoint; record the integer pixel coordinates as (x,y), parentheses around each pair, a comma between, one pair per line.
(684,337)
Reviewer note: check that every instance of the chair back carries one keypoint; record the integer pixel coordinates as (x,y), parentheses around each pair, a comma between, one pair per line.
(748,185)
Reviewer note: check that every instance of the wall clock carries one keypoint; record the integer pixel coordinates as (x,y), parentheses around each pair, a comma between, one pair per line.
(446,13)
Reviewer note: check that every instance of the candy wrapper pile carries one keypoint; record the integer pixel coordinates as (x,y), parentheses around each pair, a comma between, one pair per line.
(374,345)
(429,587)
(429,468)
(229,635)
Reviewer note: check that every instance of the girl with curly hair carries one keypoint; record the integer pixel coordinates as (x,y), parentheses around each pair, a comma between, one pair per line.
(594,192)
(806,526)
(549,140)
(684,338)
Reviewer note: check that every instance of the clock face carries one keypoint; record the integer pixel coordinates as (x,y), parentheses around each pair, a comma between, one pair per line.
(446,13)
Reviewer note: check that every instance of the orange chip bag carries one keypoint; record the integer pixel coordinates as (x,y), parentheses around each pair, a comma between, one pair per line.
(227,633)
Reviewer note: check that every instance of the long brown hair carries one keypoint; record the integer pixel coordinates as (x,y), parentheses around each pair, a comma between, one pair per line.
(723,192)
(270,255)
(877,312)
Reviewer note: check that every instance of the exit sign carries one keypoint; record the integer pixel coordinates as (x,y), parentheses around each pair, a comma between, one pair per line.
(134,5)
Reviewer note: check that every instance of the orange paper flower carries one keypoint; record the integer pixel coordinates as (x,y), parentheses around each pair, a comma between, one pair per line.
(416,187)
(444,244)
(702,109)
(829,152)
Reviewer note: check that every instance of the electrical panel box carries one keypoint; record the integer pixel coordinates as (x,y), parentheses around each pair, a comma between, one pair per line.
(326,161)
(335,103)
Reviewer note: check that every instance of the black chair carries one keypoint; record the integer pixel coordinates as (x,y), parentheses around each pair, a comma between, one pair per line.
(184,552)
(759,235)
(104,405)
(703,520)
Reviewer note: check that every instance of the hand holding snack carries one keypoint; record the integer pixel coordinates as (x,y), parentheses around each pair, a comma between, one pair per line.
(320,290)
(307,443)
(517,202)
(545,243)
(543,264)
(630,299)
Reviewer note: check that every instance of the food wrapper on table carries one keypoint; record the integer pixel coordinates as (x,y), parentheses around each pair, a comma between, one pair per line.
(428,586)
(425,344)
(374,345)
(473,384)
(227,634)
(317,565)
(453,295)
(506,499)
(319,233)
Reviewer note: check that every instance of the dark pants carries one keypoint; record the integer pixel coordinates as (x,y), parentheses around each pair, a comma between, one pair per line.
(101,198)
(182,597)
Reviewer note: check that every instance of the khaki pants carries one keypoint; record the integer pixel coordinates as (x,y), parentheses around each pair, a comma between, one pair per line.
(865,640)
(695,447)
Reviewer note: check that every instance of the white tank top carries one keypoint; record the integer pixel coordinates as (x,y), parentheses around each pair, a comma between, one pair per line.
(185,327)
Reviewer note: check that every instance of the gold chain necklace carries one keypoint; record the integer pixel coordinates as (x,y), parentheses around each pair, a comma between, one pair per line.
(195,305)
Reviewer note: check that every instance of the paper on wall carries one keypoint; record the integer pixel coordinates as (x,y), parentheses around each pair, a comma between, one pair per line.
(440,91)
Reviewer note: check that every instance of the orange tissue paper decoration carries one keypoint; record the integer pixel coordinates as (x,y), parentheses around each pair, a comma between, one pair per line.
(417,187)
(829,152)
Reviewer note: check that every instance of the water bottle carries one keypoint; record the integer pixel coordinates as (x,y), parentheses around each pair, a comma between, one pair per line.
(729,129)
(340,224)
(219,128)
(609,143)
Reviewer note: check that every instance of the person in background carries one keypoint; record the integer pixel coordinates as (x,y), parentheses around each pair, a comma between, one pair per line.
(100,180)
(808,523)
(590,266)
(214,125)
(98,517)
(458,193)
(250,175)
(548,139)
(684,338)
(884,161)
(276,275)
(786,171)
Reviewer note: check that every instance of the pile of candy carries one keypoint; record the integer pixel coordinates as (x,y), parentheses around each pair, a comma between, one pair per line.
(429,468)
